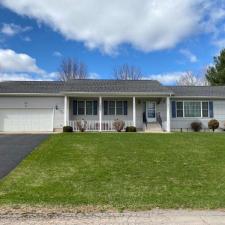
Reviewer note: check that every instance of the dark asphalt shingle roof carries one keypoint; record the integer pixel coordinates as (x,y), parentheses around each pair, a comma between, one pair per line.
(201,91)
(51,87)
(109,86)
(115,86)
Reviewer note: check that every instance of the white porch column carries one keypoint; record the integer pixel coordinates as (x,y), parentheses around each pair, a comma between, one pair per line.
(66,110)
(168,114)
(134,112)
(100,113)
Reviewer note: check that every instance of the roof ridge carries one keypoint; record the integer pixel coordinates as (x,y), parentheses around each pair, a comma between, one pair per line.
(112,80)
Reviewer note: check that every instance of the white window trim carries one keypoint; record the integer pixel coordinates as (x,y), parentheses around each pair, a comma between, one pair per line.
(122,108)
(179,109)
(201,117)
(208,110)
(115,113)
(78,107)
(108,107)
(85,110)
(92,107)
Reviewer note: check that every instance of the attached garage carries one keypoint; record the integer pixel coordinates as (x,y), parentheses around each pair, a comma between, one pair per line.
(26,120)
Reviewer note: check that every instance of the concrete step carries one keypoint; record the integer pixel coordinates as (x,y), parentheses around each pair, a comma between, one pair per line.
(153,127)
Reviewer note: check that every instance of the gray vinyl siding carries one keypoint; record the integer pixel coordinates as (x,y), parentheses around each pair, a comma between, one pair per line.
(36,103)
(140,108)
(185,123)
(128,117)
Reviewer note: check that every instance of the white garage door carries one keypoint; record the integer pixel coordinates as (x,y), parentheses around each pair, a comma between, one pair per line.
(25,120)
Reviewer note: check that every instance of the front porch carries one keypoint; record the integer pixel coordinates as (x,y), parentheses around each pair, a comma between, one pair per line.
(93,125)
(100,112)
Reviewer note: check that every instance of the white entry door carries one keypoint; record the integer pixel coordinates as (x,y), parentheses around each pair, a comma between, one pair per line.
(151,111)
(26,120)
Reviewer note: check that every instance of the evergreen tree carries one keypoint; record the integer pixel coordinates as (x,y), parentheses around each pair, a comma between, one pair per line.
(215,74)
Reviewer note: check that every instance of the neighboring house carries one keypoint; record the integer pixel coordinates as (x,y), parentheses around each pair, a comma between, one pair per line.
(32,106)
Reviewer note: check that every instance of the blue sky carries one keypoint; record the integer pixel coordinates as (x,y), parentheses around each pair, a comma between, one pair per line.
(163,38)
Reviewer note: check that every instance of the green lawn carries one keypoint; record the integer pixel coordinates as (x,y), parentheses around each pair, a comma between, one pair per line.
(122,171)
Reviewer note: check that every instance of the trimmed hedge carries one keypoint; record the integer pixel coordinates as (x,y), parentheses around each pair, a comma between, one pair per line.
(67,129)
(213,124)
(131,129)
(196,126)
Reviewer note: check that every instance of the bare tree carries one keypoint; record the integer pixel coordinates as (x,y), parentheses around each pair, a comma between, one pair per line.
(127,72)
(72,69)
(189,79)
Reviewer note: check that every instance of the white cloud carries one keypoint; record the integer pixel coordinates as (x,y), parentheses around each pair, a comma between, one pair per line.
(16,76)
(94,76)
(57,54)
(189,55)
(145,24)
(20,66)
(10,61)
(11,29)
(7,76)
(220,43)
(166,78)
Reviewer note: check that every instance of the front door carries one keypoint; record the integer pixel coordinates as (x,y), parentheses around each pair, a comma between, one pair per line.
(151,111)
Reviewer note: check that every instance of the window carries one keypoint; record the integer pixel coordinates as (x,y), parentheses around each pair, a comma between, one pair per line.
(205,109)
(119,108)
(81,107)
(111,108)
(85,107)
(192,109)
(180,109)
(89,107)
(115,107)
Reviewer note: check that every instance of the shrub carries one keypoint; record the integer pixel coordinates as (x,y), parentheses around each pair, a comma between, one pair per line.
(67,129)
(213,124)
(131,129)
(118,125)
(224,126)
(82,125)
(196,126)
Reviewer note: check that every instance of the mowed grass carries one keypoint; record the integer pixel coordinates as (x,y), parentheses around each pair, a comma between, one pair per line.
(122,171)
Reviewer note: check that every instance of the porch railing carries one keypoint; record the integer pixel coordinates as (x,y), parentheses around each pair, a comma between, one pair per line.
(93,125)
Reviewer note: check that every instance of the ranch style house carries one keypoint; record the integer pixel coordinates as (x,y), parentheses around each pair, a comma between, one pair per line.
(47,106)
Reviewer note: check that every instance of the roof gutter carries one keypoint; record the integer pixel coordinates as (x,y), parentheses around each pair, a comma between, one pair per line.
(196,97)
(122,94)
(31,94)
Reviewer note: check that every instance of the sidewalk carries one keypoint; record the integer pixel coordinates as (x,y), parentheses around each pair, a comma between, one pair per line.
(156,217)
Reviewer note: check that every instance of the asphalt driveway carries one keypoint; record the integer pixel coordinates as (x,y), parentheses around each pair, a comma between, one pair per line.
(14,148)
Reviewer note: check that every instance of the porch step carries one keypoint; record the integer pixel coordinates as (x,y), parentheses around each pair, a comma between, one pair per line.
(153,127)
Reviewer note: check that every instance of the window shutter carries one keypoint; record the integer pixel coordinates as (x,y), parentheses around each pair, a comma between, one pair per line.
(105,107)
(125,107)
(95,108)
(174,109)
(75,107)
(211,113)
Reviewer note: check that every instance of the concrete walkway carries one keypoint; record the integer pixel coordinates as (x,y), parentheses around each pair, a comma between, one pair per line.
(154,217)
